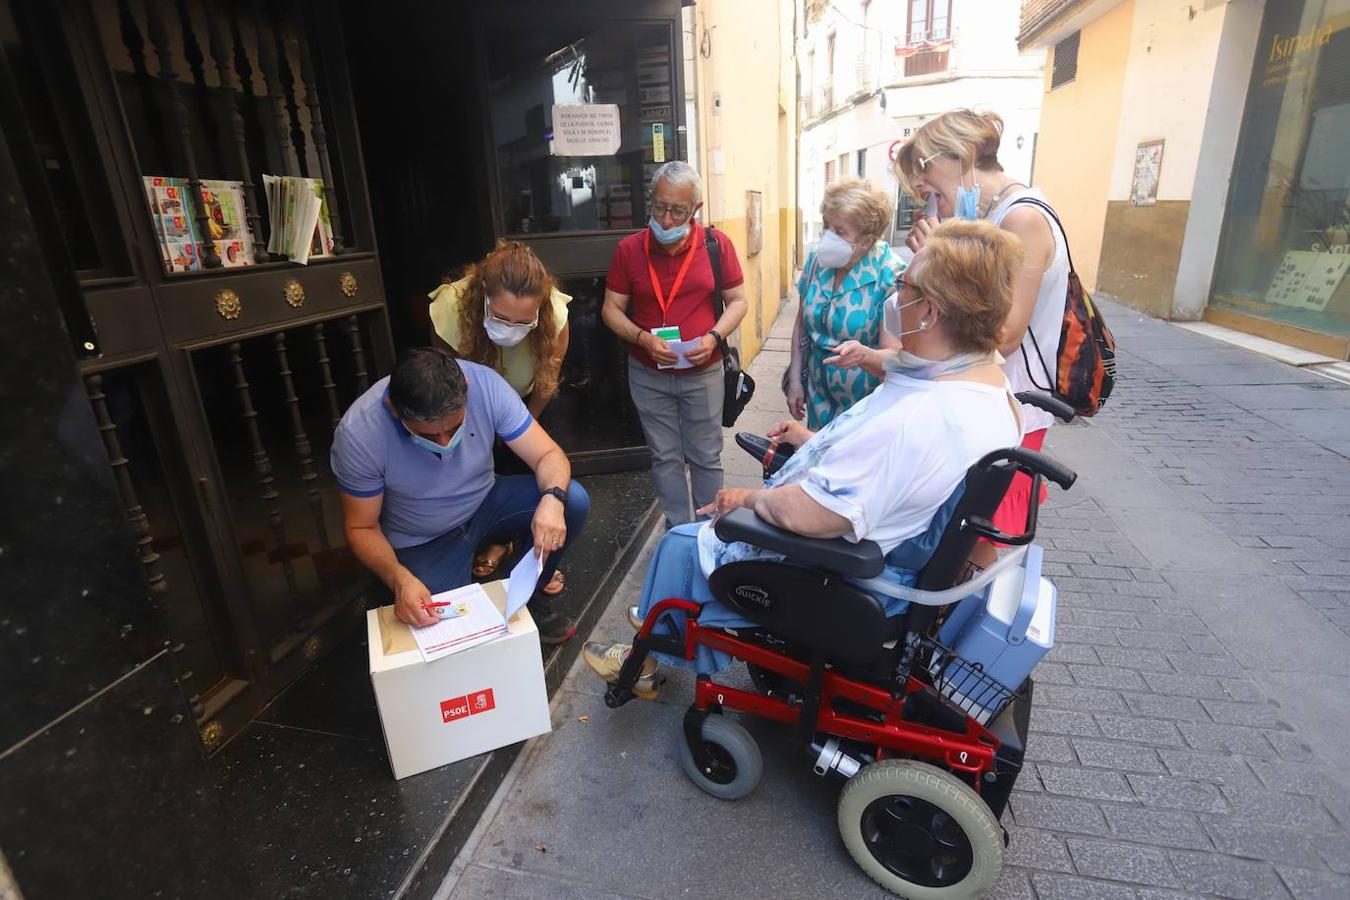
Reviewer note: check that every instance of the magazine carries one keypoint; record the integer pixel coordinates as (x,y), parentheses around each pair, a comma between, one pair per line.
(181,238)
(298,218)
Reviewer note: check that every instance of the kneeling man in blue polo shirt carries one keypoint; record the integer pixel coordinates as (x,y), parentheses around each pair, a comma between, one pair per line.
(413,459)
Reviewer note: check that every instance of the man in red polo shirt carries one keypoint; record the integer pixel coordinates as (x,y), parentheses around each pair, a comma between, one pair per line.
(661,279)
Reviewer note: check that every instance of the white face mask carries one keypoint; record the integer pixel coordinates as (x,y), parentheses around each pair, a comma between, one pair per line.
(833,251)
(502,333)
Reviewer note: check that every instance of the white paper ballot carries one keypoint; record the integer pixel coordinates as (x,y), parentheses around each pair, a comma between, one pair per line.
(680,348)
(478,621)
(524,579)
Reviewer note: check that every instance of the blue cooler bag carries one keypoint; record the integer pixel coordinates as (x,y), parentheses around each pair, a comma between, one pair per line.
(1002,633)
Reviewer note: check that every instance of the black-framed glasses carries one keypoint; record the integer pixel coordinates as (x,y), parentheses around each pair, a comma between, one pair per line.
(679,212)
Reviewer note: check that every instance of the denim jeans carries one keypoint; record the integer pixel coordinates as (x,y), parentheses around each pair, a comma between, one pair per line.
(675,572)
(446,562)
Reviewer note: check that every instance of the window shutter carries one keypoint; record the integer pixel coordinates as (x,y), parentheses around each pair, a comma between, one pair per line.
(1066,61)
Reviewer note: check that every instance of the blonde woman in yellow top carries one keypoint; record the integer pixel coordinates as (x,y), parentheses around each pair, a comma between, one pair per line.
(505,312)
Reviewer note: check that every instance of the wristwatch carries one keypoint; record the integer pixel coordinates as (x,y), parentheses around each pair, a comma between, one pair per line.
(560,494)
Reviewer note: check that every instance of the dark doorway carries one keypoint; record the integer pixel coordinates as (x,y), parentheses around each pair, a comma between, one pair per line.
(459,152)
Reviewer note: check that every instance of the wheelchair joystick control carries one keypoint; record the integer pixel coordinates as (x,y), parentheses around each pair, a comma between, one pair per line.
(831,759)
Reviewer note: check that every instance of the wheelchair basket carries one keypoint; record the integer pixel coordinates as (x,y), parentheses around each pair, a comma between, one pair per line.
(965,684)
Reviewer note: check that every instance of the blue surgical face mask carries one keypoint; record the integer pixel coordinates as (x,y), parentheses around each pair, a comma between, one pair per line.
(968,200)
(428,444)
(665,235)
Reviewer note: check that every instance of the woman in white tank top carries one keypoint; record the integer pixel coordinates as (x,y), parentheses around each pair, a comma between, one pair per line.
(954,159)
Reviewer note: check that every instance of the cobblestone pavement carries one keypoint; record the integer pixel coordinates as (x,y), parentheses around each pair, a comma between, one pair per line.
(1187,734)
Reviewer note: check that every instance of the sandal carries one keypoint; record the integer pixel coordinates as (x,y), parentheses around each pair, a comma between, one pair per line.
(556,585)
(489,559)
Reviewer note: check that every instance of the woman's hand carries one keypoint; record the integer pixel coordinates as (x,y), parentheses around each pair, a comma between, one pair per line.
(850,355)
(919,232)
(794,434)
(727,500)
(796,398)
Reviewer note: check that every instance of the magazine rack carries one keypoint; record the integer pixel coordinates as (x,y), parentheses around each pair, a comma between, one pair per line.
(216,388)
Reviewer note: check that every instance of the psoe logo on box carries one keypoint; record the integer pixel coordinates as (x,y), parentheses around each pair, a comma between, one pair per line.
(468,705)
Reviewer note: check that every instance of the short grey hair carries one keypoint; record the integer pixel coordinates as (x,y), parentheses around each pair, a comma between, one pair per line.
(679,173)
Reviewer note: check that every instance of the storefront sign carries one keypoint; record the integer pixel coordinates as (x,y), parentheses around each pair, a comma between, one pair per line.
(1289,54)
(586,129)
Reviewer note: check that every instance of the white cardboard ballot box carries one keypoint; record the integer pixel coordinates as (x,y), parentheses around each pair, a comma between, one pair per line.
(460,705)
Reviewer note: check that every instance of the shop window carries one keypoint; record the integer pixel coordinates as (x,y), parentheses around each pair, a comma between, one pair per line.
(1065,68)
(554,175)
(1285,246)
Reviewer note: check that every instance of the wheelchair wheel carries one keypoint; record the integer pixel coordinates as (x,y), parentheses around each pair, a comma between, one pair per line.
(735,767)
(920,832)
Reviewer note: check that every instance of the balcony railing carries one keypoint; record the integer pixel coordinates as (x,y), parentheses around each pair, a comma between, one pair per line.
(925,53)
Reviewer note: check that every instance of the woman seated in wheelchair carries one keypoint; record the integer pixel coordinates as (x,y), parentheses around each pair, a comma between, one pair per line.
(884,468)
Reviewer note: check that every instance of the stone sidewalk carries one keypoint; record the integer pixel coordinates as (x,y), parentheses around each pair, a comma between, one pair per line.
(1187,724)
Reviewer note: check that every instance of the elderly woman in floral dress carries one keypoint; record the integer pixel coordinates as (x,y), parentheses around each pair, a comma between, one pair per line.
(842,289)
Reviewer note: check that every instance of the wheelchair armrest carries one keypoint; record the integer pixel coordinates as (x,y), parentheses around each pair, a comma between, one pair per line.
(1032,464)
(1051,404)
(860,560)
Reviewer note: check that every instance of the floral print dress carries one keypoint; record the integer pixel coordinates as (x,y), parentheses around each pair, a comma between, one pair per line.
(852,312)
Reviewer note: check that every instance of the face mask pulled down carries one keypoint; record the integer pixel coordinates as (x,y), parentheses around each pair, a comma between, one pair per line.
(428,444)
(666,235)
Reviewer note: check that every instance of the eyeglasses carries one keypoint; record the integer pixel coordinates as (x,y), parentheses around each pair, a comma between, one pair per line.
(901,284)
(923,163)
(489,315)
(679,212)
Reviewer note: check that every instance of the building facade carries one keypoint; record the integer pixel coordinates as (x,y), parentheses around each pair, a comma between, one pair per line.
(872,72)
(743,78)
(182,634)
(1197,153)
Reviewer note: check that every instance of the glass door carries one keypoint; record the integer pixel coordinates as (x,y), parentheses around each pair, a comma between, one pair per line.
(583,110)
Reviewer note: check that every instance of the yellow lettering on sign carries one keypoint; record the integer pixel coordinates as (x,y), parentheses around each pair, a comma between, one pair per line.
(1294,45)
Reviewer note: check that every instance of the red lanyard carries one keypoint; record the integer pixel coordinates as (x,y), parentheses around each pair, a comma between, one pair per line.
(679,276)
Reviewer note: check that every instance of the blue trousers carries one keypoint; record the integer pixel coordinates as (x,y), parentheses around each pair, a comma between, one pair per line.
(446,562)
(675,572)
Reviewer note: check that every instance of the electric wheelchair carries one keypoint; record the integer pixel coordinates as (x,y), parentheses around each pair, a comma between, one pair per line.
(928,744)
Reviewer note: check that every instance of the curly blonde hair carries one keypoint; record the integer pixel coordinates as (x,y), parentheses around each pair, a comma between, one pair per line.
(860,202)
(967,269)
(511,266)
(963,134)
